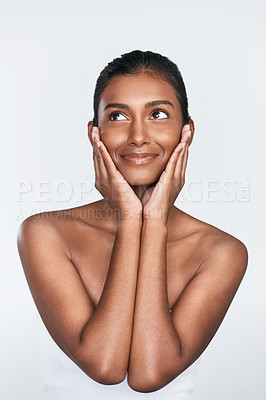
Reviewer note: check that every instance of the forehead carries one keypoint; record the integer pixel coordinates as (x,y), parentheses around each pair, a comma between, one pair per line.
(137,89)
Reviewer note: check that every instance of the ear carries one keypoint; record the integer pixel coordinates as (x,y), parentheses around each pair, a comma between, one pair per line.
(90,126)
(192,128)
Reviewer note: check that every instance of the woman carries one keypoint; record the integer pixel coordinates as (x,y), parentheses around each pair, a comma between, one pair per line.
(131,288)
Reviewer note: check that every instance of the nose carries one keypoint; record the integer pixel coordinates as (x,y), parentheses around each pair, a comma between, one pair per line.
(138,134)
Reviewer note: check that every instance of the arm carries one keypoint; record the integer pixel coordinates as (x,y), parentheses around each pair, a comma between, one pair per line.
(106,337)
(96,339)
(155,347)
(164,344)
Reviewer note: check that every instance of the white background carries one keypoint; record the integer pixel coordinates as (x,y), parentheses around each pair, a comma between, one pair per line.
(51,55)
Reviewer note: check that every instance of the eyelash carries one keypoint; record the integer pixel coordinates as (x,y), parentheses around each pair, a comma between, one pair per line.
(157,109)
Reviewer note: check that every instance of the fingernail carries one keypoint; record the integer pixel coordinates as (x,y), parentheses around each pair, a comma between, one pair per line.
(183,145)
(98,144)
(94,131)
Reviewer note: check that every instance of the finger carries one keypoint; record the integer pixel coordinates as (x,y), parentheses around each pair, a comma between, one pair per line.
(101,164)
(185,140)
(185,135)
(186,128)
(184,166)
(179,174)
(166,178)
(170,167)
(173,169)
(180,160)
(107,159)
(96,138)
(96,167)
(179,149)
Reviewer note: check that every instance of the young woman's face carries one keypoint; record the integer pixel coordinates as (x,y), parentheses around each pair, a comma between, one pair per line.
(131,122)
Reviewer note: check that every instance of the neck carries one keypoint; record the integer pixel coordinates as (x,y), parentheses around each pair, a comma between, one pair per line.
(140,189)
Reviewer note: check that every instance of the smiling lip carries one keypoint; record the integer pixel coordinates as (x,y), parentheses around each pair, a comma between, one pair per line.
(139,158)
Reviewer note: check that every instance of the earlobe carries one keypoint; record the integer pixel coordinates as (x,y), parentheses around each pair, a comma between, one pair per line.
(90,126)
(192,126)
(192,129)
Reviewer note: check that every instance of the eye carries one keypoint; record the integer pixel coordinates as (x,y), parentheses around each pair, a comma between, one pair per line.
(113,114)
(160,112)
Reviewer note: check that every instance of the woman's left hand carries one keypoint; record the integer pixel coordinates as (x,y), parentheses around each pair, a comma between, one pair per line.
(158,199)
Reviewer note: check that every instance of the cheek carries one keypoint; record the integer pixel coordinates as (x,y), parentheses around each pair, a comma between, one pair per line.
(170,146)
(109,139)
(111,145)
(109,134)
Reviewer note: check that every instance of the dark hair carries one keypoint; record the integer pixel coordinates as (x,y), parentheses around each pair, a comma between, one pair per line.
(142,61)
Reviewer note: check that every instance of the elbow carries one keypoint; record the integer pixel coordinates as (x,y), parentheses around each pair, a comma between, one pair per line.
(142,385)
(146,383)
(100,371)
(108,376)
(151,379)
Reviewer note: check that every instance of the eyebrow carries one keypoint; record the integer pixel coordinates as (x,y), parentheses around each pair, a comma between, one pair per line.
(147,105)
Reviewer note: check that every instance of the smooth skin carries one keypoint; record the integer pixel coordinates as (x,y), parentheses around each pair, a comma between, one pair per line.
(106,275)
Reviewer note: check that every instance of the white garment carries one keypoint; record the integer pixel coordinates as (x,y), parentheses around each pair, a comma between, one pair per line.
(64,380)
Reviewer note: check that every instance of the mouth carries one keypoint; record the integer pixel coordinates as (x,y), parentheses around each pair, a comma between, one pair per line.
(139,158)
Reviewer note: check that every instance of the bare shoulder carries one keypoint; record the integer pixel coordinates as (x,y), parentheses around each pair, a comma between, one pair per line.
(62,228)
(40,229)
(56,220)
(216,246)
(40,222)
(224,246)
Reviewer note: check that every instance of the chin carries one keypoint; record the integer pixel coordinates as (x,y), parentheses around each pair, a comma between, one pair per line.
(140,179)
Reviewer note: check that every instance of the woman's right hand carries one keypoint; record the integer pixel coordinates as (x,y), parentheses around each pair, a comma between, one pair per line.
(112,185)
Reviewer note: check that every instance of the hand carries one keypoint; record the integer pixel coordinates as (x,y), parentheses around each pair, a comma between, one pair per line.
(112,185)
(159,198)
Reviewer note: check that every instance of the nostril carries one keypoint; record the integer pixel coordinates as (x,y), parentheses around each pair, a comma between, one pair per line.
(138,139)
